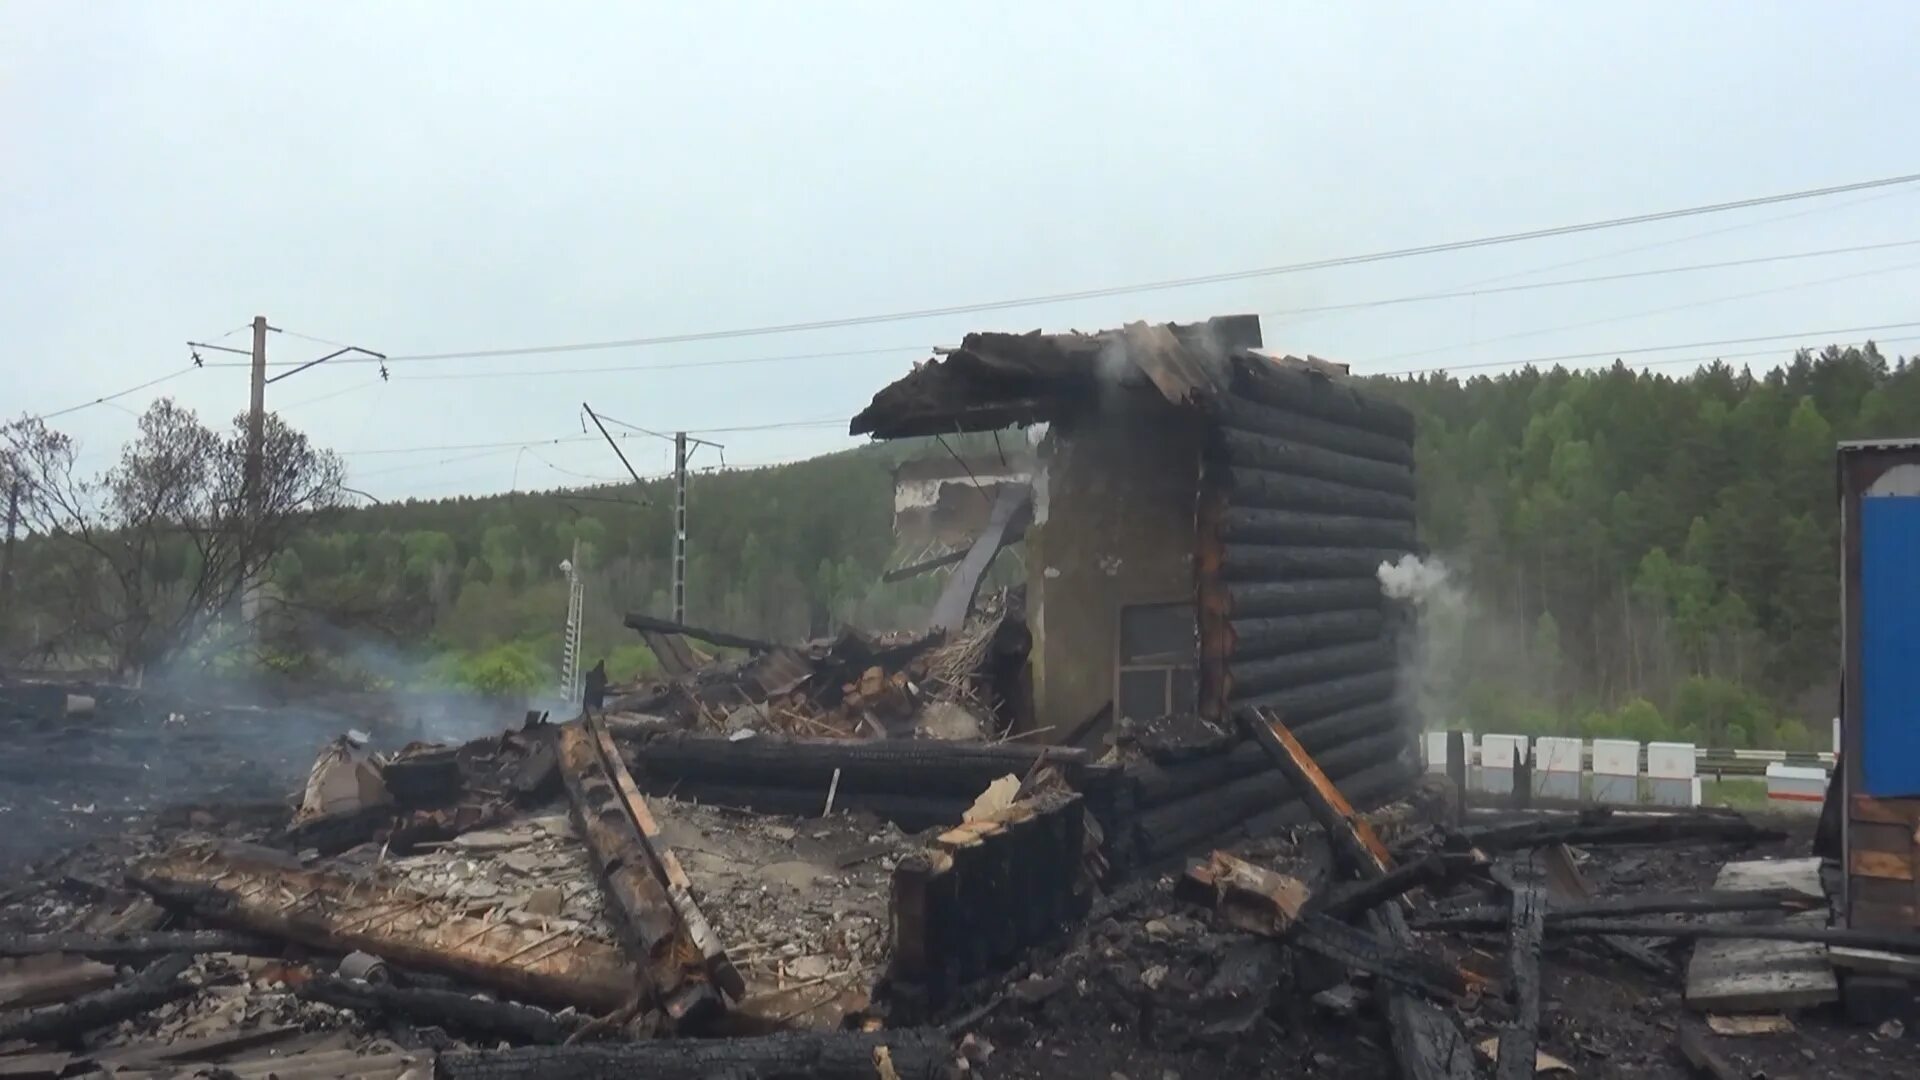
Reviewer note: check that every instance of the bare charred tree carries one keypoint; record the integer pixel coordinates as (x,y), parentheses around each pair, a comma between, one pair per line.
(150,558)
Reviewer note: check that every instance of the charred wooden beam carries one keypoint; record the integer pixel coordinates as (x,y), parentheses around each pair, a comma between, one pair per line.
(666,866)
(1883,940)
(1281,491)
(442,1008)
(1589,829)
(1707,902)
(1012,510)
(1293,670)
(1252,600)
(921,767)
(1267,562)
(1270,637)
(134,946)
(1292,455)
(1173,827)
(1156,784)
(156,986)
(1268,416)
(910,812)
(1353,839)
(1697,1047)
(827,1055)
(1566,886)
(1315,700)
(1526,923)
(650,927)
(1380,782)
(1398,962)
(649,624)
(1436,869)
(428,933)
(1252,525)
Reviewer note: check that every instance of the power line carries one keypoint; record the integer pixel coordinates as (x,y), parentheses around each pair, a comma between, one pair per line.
(104,399)
(1172,283)
(1844,331)
(1353,305)
(1688,306)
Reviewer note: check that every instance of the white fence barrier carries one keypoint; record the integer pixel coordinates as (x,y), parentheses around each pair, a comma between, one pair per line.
(1672,779)
(1616,771)
(1557,767)
(1498,756)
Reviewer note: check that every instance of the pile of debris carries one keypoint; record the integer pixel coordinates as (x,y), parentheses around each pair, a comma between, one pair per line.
(854,685)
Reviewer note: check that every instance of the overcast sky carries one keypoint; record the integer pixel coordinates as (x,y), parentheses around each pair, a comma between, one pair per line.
(432,177)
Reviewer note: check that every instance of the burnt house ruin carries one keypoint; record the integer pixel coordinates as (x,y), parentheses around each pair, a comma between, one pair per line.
(1207,525)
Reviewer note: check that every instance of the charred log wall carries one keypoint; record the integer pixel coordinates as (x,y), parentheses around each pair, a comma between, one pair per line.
(1309,489)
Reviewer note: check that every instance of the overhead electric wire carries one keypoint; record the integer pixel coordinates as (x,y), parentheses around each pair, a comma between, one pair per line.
(1688,306)
(1353,305)
(1170,283)
(105,398)
(1843,331)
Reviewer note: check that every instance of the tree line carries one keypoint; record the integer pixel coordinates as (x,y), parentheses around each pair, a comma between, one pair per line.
(1637,553)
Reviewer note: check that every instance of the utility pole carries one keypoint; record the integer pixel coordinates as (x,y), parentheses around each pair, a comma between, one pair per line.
(6,553)
(680,526)
(570,640)
(255,468)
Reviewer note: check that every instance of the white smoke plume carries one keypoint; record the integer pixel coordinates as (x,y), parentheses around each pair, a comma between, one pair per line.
(1433,654)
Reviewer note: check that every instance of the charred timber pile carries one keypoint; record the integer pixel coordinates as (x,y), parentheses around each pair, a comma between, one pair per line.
(1188,800)
(915,783)
(981,894)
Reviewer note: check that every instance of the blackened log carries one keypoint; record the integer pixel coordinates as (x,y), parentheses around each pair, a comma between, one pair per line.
(1566,886)
(1279,491)
(1286,672)
(919,767)
(1353,898)
(1353,839)
(1254,638)
(1526,922)
(1600,829)
(1288,455)
(911,812)
(1883,940)
(649,624)
(666,866)
(1264,562)
(1252,525)
(441,1008)
(1707,902)
(1398,963)
(538,777)
(135,946)
(1177,826)
(1316,700)
(1157,784)
(152,988)
(1427,1042)
(1371,787)
(1277,414)
(826,1055)
(1264,599)
(649,928)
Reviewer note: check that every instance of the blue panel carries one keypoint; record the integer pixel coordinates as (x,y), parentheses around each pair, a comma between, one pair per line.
(1890,645)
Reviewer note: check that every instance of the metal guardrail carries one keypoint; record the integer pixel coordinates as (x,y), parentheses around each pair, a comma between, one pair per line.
(1721,761)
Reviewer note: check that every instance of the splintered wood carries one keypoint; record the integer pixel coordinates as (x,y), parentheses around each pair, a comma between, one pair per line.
(1747,975)
(327,911)
(1247,897)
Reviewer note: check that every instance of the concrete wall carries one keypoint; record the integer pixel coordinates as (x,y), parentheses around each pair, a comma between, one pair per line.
(1113,526)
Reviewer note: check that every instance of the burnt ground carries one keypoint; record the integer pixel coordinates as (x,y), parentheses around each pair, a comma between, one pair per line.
(1103,1006)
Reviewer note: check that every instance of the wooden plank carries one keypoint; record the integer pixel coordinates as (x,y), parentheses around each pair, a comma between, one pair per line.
(1886,811)
(1352,837)
(1245,896)
(340,914)
(1698,1049)
(1881,864)
(1752,975)
(1875,962)
(152,988)
(1520,1040)
(667,866)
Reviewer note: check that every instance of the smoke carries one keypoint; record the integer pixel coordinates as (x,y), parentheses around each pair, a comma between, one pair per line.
(1433,651)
